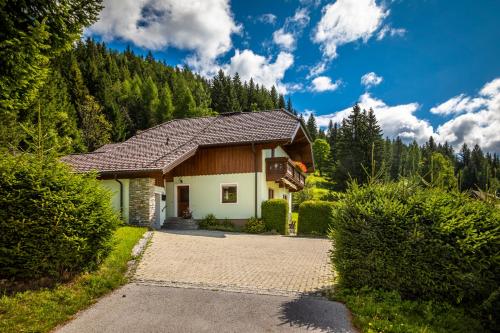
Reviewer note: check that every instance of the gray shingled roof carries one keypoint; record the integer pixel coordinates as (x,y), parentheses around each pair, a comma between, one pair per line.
(165,146)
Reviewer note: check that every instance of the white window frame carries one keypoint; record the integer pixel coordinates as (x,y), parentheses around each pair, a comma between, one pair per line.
(220,193)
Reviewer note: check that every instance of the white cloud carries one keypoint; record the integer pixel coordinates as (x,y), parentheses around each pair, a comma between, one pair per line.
(267,18)
(395,120)
(346,21)
(480,121)
(284,39)
(458,104)
(286,36)
(204,27)
(324,83)
(474,123)
(263,71)
(317,69)
(389,31)
(371,79)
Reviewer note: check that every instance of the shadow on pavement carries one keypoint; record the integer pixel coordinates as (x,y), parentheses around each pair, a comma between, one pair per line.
(313,312)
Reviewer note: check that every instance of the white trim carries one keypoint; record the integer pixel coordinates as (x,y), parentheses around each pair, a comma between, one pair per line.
(175,197)
(220,193)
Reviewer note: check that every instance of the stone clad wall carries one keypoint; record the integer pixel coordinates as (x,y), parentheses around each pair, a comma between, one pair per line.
(142,201)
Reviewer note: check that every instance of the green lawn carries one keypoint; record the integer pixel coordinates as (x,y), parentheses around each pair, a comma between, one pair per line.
(42,310)
(377,311)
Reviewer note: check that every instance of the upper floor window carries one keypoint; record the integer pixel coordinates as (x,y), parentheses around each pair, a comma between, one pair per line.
(229,193)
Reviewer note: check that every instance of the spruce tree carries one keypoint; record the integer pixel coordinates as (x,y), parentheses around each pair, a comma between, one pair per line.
(311,127)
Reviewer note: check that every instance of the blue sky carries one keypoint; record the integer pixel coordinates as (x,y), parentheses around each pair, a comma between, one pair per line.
(425,67)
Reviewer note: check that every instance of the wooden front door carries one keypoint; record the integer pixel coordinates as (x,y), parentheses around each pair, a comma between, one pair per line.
(182,199)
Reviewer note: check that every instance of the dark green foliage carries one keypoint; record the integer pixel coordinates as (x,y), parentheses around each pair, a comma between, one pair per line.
(32,33)
(425,243)
(321,151)
(386,311)
(358,148)
(275,215)
(315,217)
(254,226)
(52,222)
(311,127)
(208,221)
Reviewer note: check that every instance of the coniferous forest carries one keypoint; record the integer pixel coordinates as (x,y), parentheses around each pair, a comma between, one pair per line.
(93,96)
(356,150)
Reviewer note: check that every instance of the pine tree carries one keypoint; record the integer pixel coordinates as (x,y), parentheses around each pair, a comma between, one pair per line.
(311,127)
(281,102)
(165,109)
(96,129)
(289,106)
(150,101)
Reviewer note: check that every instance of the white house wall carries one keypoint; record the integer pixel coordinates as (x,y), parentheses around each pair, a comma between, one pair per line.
(205,195)
(113,186)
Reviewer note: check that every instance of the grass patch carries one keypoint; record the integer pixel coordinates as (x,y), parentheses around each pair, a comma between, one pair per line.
(42,310)
(380,311)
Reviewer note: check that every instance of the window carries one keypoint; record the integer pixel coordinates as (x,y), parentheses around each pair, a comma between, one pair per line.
(229,193)
(285,196)
(270,194)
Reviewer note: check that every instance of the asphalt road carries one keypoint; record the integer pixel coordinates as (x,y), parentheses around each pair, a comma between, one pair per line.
(148,308)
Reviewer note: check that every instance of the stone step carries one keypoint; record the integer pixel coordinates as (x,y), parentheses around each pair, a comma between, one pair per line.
(180,224)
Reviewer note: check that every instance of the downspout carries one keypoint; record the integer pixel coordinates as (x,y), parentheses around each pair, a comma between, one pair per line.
(121,196)
(255,172)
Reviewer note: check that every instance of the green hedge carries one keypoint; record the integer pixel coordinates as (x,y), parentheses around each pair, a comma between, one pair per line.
(424,243)
(315,217)
(275,215)
(53,222)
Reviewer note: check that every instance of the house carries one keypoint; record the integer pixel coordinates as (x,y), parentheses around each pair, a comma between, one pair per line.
(225,165)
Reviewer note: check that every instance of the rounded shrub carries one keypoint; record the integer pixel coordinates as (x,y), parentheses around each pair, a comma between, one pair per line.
(275,215)
(315,217)
(426,243)
(254,226)
(53,222)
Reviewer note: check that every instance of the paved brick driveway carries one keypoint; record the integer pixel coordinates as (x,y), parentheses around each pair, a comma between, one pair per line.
(236,262)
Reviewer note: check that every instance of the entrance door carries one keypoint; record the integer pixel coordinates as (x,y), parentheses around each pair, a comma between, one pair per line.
(182,199)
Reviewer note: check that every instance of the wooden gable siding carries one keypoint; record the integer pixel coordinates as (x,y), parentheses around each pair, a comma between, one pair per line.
(220,160)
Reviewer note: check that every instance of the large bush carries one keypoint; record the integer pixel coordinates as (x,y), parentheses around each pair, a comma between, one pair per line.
(52,222)
(315,217)
(275,215)
(426,243)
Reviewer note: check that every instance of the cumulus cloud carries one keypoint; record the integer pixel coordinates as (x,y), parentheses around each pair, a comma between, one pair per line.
(324,83)
(263,70)
(267,18)
(459,104)
(204,27)
(478,121)
(371,79)
(389,31)
(346,21)
(395,120)
(284,39)
(286,36)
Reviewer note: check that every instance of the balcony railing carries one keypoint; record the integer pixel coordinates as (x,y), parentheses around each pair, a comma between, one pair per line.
(283,170)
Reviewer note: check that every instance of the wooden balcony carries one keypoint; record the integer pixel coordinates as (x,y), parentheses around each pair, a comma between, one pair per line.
(283,171)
